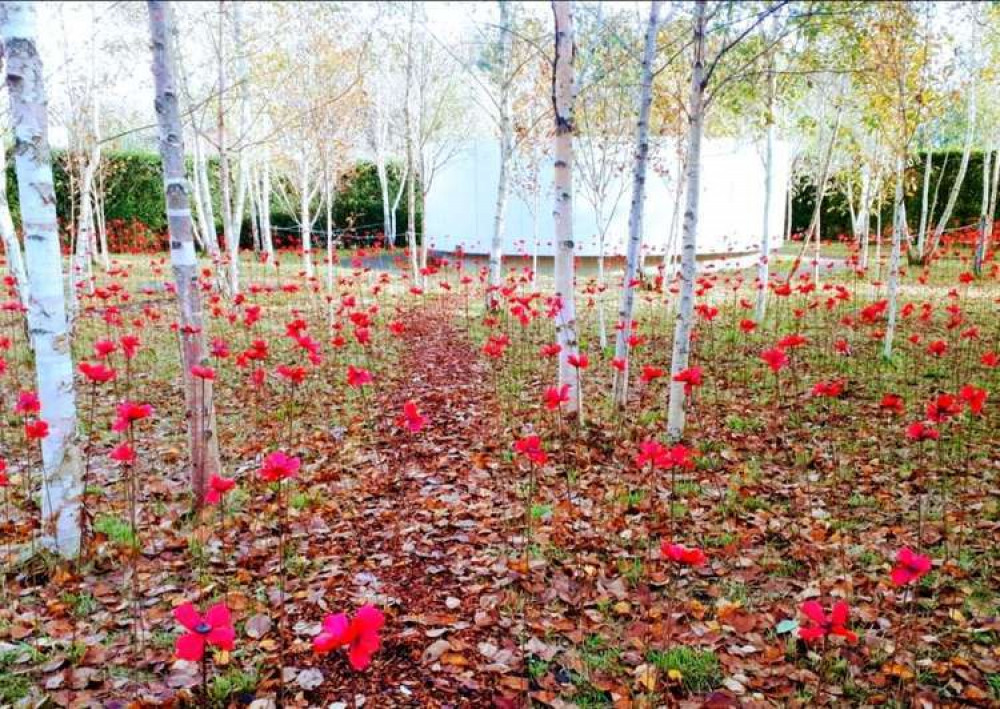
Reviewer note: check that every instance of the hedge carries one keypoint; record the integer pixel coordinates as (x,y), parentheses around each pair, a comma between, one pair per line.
(133,198)
(836,217)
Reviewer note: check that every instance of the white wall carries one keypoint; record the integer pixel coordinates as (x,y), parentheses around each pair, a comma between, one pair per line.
(462,203)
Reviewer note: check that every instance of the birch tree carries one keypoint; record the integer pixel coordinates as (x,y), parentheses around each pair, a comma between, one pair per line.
(61,463)
(635,219)
(506,136)
(732,32)
(11,242)
(563,95)
(204,448)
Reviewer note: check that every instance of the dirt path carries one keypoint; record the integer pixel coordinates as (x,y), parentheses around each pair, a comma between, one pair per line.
(429,527)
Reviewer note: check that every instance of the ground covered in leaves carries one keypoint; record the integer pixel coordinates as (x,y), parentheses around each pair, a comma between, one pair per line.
(510,583)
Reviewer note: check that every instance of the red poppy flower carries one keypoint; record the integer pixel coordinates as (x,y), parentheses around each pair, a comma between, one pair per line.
(679,554)
(279,466)
(830,390)
(36,430)
(217,487)
(27,403)
(974,397)
(909,567)
(990,360)
(123,453)
(579,361)
(294,375)
(650,373)
(411,419)
(937,348)
(942,408)
(97,373)
(747,325)
(920,431)
(214,628)
(893,403)
(220,349)
(775,358)
(128,413)
(103,348)
(551,350)
(358,377)
(556,397)
(202,372)
(531,448)
(823,625)
(691,377)
(792,341)
(360,633)
(130,345)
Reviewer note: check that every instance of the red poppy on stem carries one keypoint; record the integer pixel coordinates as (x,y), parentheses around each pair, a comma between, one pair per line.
(531,448)
(36,430)
(550,351)
(280,466)
(691,378)
(97,373)
(909,567)
(411,419)
(202,372)
(824,625)
(650,373)
(360,634)
(294,375)
(556,397)
(680,554)
(27,403)
(893,403)
(775,358)
(358,377)
(920,431)
(217,487)
(974,397)
(214,628)
(128,413)
(579,361)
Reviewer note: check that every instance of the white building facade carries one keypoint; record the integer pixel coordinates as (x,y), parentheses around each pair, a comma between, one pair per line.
(462,203)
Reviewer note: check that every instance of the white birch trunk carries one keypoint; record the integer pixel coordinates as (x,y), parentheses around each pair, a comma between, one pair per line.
(61,464)
(265,215)
(922,229)
(763,265)
(563,95)
(11,243)
(411,201)
(898,225)
(305,216)
(635,217)
(689,249)
(956,188)
(981,238)
(506,149)
(200,406)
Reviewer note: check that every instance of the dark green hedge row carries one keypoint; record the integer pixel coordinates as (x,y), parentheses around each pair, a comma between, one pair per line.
(836,217)
(133,189)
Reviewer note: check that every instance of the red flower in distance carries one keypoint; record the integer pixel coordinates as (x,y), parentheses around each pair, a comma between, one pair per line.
(97,373)
(556,397)
(36,430)
(360,634)
(823,625)
(909,567)
(579,361)
(691,378)
(123,453)
(531,448)
(217,487)
(411,419)
(679,554)
(214,628)
(358,377)
(202,372)
(27,403)
(893,403)
(128,413)
(775,358)
(279,466)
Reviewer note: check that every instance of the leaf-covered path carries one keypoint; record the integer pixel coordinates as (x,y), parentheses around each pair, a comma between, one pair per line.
(428,525)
